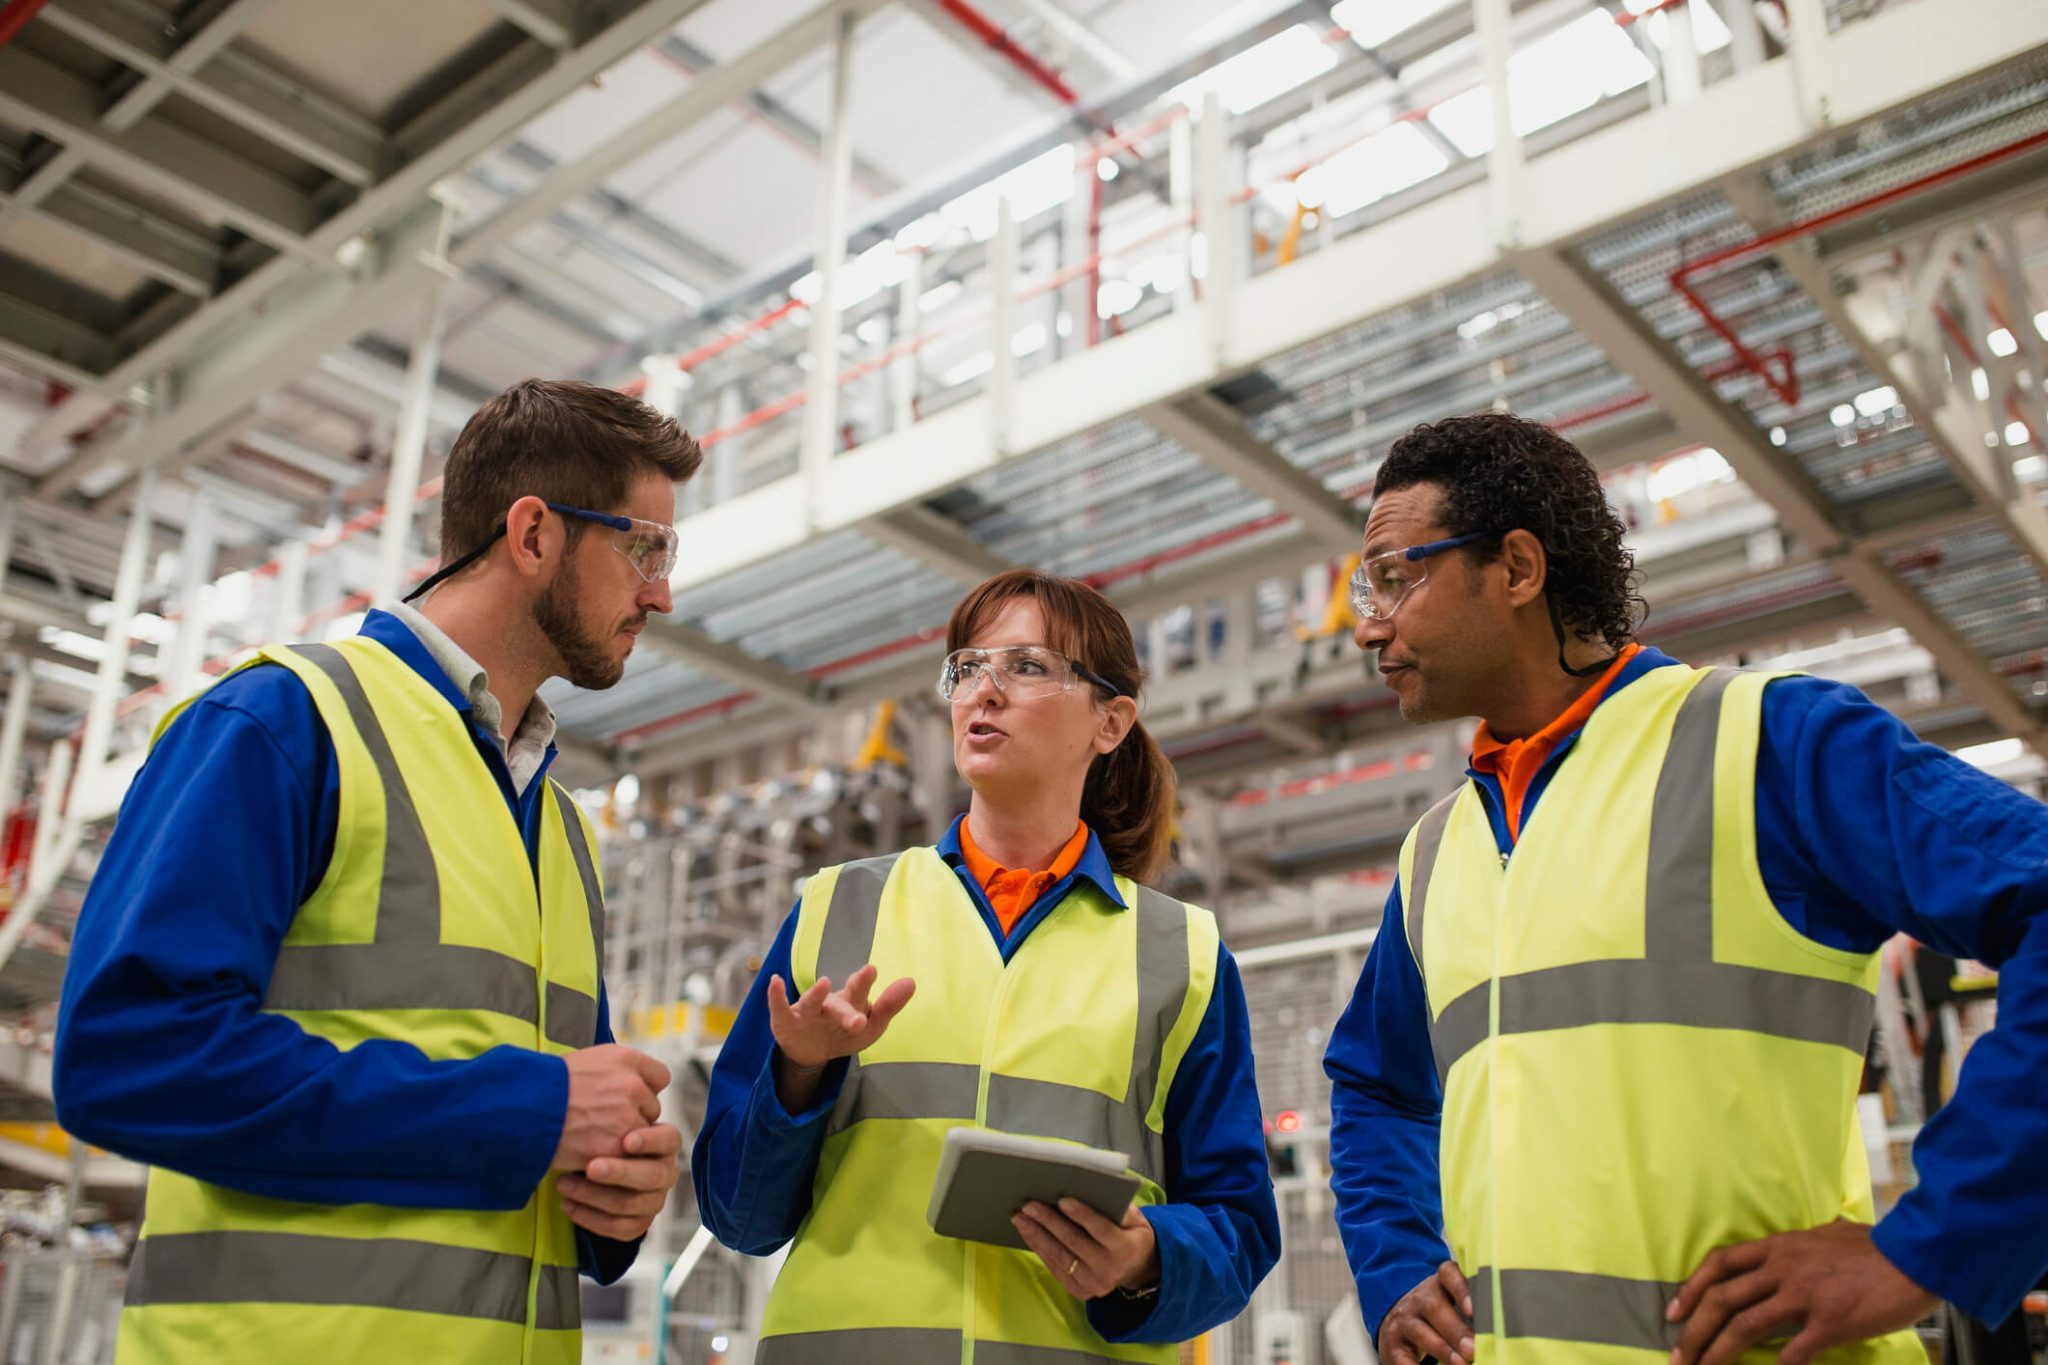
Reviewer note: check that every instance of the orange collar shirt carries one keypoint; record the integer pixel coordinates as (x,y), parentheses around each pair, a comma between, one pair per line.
(1012,892)
(1515,762)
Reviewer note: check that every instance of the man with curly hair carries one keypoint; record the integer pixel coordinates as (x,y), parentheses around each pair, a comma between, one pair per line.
(1594,1096)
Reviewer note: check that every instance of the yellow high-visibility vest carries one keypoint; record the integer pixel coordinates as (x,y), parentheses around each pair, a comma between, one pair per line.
(1641,1060)
(432,928)
(1077,1037)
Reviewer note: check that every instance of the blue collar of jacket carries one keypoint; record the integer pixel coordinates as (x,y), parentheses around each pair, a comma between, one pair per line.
(1647,658)
(392,633)
(1094,865)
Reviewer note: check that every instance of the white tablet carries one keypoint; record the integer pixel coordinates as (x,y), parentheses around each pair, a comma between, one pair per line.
(986,1177)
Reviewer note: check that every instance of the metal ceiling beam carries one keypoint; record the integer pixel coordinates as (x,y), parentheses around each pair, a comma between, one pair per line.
(1946,418)
(323,312)
(769,679)
(711,91)
(170,161)
(938,542)
(1599,312)
(163,253)
(614,206)
(227,23)
(550,21)
(52,343)
(2011,185)
(781,117)
(387,215)
(1213,432)
(242,90)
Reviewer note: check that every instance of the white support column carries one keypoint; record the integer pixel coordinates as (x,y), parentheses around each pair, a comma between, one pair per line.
(909,327)
(20,693)
(409,448)
(1812,59)
(1215,222)
(50,808)
(1002,325)
(99,717)
(8,508)
(1076,297)
(2011,265)
(193,599)
(1746,35)
(835,187)
(664,393)
(1681,56)
(725,457)
(1493,20)
(1180,190)
(289,606)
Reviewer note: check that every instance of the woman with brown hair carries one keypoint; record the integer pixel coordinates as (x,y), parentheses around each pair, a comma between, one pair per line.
(1038,987)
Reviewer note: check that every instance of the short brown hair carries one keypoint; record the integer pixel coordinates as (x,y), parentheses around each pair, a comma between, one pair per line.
(1131,793)
(560,440)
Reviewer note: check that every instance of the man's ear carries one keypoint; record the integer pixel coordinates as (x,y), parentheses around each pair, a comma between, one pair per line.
(1527,566)
(534,539)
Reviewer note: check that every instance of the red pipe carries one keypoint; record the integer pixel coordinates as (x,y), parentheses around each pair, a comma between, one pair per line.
(992,33)
(719,345)
(15,18)
(1787,388)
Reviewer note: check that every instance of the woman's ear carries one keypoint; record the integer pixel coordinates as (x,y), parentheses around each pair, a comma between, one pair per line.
(1114,720)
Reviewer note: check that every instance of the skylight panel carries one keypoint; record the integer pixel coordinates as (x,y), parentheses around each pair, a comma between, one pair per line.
(1552,78)
(1372,22)
(1389,161)
(1261,73)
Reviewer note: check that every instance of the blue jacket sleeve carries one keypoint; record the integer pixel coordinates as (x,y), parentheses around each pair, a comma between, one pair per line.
(163,1053)
(753,1161)
(1865,831)
(604,1259)
(1219,1232)
(1386,1106)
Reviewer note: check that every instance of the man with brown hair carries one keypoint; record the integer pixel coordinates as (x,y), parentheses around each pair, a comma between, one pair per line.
(337,978)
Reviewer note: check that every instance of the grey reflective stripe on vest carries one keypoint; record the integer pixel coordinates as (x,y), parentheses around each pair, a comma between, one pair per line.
(373,1272)
(1429,837)
(1562,1306)
(1678,981)
(1721,995)
(1016,1104)
(572,1015)
(862,1346)
(406,965)
(558,1304)
(905,1090)
(848,940)
(1678,894)
(910,1346)
(948,1090)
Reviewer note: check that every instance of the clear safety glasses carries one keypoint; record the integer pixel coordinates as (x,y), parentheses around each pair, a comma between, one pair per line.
(648,546)
(1378,584)
(1020,672)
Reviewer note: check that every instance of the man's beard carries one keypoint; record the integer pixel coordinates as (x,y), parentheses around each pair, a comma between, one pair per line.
(586,662)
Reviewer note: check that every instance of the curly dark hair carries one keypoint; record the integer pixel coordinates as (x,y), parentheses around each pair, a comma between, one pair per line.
(1502,473)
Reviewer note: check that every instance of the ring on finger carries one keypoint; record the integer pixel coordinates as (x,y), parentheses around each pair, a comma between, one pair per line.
(1073,1266)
